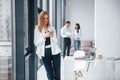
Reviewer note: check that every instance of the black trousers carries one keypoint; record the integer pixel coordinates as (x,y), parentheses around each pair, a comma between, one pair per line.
(52,65)
(67,43)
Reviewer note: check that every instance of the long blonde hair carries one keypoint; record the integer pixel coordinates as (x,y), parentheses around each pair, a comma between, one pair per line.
(41,20)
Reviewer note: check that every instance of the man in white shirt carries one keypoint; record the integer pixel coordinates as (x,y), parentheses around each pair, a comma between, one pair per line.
(66,34)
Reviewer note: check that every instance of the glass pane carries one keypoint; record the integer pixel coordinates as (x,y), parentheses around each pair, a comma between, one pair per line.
(26,38)
(26,23)
(5,40)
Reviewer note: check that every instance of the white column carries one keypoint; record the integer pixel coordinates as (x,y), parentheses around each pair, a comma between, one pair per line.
(52,12)
(45,5)
(59,18)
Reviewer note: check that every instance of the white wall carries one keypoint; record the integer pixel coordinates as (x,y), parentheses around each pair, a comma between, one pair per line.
(81,11)
(108,27)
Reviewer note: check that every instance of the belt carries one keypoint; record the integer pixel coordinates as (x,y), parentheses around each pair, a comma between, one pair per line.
(66,37)
(48,46)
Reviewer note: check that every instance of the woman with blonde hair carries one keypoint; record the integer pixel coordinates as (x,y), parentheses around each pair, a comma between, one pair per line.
(47,46)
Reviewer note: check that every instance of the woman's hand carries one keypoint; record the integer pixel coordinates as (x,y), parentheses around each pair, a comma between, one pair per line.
(51,34)
(47,35)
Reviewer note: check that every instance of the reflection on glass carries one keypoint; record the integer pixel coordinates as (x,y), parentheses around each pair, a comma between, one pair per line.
(5,40)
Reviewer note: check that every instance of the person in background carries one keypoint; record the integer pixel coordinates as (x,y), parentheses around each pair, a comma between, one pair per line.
(76,37)
(46,43)
(66,34)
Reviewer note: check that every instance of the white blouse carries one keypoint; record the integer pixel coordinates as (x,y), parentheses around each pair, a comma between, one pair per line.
(39,42)
(77,35)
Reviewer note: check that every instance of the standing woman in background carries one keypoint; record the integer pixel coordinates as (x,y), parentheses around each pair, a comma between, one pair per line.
(77,37)
(47,46)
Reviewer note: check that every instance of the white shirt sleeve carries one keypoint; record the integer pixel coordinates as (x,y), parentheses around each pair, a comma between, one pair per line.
(54,39)
(79,33)
(38,37)
(62,32)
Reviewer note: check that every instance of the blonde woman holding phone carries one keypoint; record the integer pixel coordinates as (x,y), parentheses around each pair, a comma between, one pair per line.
(47,46)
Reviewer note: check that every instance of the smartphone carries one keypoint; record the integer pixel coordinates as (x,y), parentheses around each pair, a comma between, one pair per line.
(51,30)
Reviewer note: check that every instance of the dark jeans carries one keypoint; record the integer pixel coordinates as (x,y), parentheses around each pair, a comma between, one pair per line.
(52,64)
(67,43)
(77,45)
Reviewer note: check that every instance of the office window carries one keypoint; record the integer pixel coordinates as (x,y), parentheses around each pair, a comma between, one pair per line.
(5,40)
